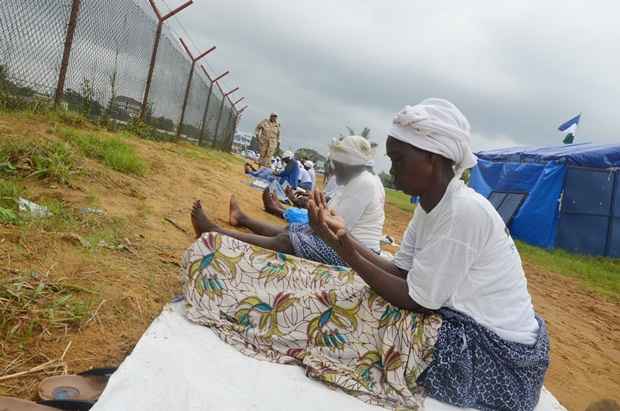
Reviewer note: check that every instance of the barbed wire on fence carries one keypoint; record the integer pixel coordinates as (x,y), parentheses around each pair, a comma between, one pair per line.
(106,73)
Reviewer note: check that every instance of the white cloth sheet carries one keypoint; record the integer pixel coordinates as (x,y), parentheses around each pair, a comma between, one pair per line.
(178,365)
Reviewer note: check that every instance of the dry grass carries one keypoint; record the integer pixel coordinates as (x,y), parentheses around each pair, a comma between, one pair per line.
(96,280)
(35,304)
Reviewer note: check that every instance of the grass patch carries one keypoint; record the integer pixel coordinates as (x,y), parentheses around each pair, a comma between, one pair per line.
(399,200)
(597,273)
(10,192)
(8,216)
(68,118)
(37,158)
(31,304)
(112,151)
(62,218)
(107,233)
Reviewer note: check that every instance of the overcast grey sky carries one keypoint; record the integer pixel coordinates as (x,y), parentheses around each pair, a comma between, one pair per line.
(516,69)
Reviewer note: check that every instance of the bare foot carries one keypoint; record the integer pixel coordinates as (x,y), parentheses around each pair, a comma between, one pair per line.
(235,215)
(271,204)
(297,199)
(200,221)
(290,194)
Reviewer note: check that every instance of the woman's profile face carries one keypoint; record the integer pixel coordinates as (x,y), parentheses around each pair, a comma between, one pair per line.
(345,173)
(412,168)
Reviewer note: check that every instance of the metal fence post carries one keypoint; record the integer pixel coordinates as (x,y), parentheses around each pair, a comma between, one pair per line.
(224,143)
(189,82)
(232,123)
(217,124)
(62,75)
(231,130)
(236,122)
(149,78)
(219,117)
(187,90)
(228,141)
(237,102)
(161,19)
(204,116)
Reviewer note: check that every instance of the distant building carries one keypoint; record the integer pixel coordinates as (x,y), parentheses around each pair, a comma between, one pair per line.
(241,141)
(127,105)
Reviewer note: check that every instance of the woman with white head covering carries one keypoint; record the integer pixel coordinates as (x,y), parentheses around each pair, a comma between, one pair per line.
(456,259)
(309,166)
(360,202)
(305,179)
(316,314)
(450,317)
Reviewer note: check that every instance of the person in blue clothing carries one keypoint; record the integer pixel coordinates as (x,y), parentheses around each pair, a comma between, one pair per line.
(290,174)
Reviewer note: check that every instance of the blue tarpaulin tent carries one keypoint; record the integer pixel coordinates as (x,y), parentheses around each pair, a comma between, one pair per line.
(572,194)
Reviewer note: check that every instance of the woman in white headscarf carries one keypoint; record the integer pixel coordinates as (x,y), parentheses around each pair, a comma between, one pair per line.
(456,259)
(360,202)
(312,311)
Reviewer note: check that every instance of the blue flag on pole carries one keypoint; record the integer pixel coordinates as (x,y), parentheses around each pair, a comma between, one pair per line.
(570,128)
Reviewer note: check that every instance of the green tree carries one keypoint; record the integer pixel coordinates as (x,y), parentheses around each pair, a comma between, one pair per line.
(310,154)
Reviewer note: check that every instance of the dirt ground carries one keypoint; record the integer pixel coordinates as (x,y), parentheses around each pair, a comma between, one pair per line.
(130,286)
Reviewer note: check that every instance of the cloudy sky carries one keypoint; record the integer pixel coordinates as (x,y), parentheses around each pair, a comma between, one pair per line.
(516,69)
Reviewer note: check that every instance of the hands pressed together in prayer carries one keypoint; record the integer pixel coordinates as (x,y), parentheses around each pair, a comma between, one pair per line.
(385,278)
(330,226)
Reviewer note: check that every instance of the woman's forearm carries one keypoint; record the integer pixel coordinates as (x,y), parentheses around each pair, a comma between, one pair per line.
(374,258)
(392,288)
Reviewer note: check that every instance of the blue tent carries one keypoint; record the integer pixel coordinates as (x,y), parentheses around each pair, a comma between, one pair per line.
(572,194)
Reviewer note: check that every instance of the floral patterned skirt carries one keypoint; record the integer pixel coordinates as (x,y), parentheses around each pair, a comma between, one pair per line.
(284,309)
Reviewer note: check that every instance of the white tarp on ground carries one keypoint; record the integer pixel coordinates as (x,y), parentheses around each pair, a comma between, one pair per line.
(178,365)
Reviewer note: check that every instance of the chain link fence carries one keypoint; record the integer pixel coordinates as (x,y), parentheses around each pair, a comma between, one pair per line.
(106,74)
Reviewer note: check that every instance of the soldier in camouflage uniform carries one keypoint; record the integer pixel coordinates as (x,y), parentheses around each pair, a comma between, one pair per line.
(268,137)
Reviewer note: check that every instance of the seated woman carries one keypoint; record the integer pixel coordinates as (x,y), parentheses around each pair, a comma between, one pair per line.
(290,174)
(360,203)
(305,179)
(309,166)
(450,317)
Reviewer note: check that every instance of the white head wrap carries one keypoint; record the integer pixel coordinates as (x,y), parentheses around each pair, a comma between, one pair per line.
(308,164)
(438,126)
(287,154)
(351,150)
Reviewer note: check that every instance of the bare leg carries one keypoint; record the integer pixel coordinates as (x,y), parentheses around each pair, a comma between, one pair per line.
(202,224)
(238,218)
